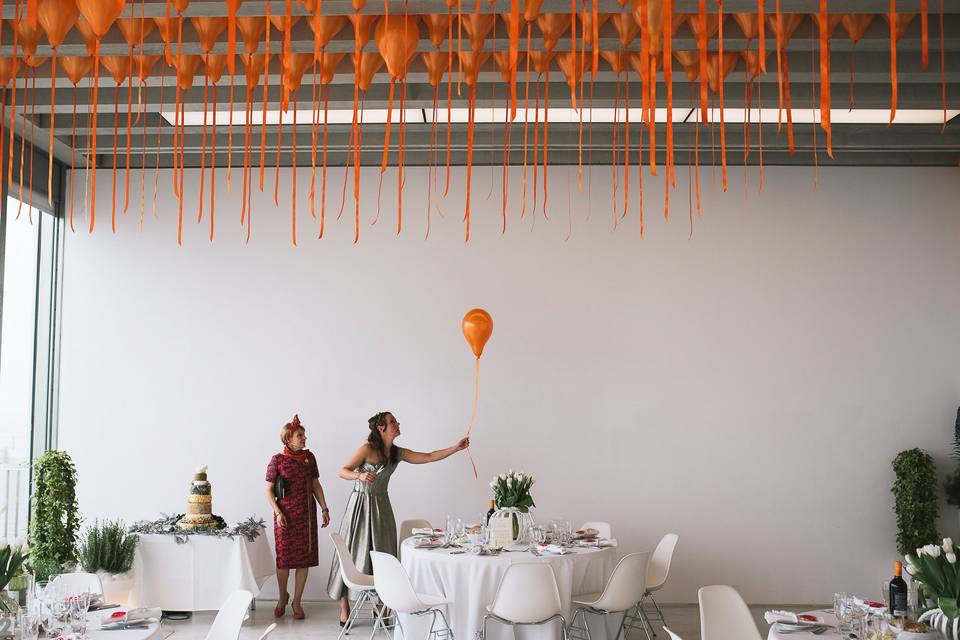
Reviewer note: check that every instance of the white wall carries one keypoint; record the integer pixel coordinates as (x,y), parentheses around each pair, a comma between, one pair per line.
(746,387)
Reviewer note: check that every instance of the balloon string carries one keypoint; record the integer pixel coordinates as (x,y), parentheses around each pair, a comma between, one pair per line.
(476,396)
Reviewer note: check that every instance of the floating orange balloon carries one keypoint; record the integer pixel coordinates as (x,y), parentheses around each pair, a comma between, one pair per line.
(477,326)
(208,29)
(56,18)
(626,27)
(251,29)
(477,26)
(552,27)
(437,26)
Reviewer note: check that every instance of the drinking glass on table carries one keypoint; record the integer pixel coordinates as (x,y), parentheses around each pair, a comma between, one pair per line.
(28,622)
(77,614)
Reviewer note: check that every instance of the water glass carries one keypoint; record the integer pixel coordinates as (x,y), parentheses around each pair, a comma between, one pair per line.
(28,622)
(77,615)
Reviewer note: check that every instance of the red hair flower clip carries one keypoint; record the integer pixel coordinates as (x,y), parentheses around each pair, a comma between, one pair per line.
(294,424)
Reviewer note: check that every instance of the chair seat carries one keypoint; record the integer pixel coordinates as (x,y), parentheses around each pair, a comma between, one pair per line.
(363,583)
(431,600)
(587,599)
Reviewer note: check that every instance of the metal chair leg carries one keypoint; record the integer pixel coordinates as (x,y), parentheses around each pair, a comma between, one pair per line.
(354,612)
(575,632)
(663,620)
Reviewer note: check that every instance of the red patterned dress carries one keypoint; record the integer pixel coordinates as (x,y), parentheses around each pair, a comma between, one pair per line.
(296,542)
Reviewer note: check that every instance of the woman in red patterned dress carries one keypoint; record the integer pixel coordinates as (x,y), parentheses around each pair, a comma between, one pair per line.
(294,514)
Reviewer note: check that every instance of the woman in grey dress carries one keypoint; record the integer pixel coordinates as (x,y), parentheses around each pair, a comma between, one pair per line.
(368,524)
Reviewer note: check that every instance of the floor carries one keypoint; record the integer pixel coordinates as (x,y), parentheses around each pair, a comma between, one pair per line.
(321,623)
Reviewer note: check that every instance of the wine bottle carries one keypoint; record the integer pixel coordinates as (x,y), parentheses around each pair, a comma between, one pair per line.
(898,592)
(490,513)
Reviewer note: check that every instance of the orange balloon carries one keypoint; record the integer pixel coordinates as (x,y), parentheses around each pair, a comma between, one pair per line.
(618,60)
(135,30)
(294,69)
(56,17)
(690,61)
(437,26)
(552,26)
(278,20)
(86,32)
(502,60)
(208,29)
(361,28)
(856,24)
(77,67)
(752,60)
(436,63)
(749,24)
(328,65)
(6,71)
(471,65)
(477,26)
(540,60)
(255,64)
(397,38)
(29,37)
(903,21)
(214,65)
(531,9)
(369,63)
(186,69)
(101,13)
(252,29)
(789,23)
(570,64)
(477,327)
(716,71)
(325,27)
(587,19)
(118,66)
(626,27)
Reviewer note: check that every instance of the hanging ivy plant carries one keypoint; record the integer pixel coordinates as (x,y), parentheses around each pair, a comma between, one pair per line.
(916,500)
(54,520)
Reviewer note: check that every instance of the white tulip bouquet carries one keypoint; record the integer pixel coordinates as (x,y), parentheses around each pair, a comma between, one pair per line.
(513,490)
(935,568)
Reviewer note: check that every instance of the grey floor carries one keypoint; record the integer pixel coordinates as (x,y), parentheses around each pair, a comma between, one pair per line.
(322,617)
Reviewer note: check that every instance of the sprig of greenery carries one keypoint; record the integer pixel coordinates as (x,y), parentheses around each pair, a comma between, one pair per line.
(108,547)
(916,502)
(55,518)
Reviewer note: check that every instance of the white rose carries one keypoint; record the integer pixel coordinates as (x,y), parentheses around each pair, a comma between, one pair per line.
(951,557)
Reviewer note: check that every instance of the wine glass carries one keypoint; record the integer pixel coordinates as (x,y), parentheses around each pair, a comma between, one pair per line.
(28,621)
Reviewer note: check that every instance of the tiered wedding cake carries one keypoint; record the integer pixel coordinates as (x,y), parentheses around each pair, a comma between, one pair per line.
(199,504)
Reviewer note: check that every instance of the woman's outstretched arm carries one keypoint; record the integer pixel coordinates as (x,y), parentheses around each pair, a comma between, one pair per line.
(416,457)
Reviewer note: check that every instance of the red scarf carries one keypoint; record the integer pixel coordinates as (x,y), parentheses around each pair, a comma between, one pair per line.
(300,456)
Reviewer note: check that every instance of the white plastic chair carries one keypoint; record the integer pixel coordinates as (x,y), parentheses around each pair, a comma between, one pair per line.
(672,635)
(74,583)
(267,631)
(658,570)
(724,615)
(230,617)
(396,592)
(623,590)
(355,580)
(604,530)
(527,595)
(406,530)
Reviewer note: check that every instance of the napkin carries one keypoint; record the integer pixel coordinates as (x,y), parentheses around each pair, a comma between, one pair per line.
(596,543)
(426,542)
(780,616)
(131,615)
(425,531)
(553,548)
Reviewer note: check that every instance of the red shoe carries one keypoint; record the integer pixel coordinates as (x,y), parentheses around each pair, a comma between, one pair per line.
(298,612)
(281,607)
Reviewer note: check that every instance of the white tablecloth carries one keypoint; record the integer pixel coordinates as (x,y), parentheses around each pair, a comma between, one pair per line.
(199,574)
(471,583)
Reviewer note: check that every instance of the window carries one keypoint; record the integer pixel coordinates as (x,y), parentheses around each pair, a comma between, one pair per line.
(28,313)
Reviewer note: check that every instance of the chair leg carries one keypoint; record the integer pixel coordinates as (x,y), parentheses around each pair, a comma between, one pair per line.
(448,632)
(575,632)
(663,620)
(354,612)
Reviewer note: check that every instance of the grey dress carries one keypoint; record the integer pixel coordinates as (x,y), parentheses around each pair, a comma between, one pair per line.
(368,524)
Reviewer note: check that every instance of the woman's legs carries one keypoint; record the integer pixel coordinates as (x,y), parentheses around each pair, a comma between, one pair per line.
(282,576)
(300,580)
(344,609)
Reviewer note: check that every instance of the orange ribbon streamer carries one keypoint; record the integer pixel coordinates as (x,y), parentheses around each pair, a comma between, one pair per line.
(825,77)
(721,80)
(893,60)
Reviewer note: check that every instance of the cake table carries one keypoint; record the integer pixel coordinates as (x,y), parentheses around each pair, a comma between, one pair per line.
(199,574)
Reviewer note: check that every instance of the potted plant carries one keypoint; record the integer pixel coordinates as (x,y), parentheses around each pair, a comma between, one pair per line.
(511,493)
(13,556)
(54,518)
(107,550)
(935,567)
(916,500)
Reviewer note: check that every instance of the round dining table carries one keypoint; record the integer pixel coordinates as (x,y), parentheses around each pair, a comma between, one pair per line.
(470,582)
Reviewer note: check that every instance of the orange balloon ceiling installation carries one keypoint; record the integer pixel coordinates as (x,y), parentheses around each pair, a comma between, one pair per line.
(56,18)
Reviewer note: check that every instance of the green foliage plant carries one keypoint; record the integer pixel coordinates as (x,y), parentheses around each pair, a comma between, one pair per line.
(108,547)
(54,517)
(915,500)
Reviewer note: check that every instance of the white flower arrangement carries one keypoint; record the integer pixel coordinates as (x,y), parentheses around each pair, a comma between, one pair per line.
(935,568)
(513,490)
